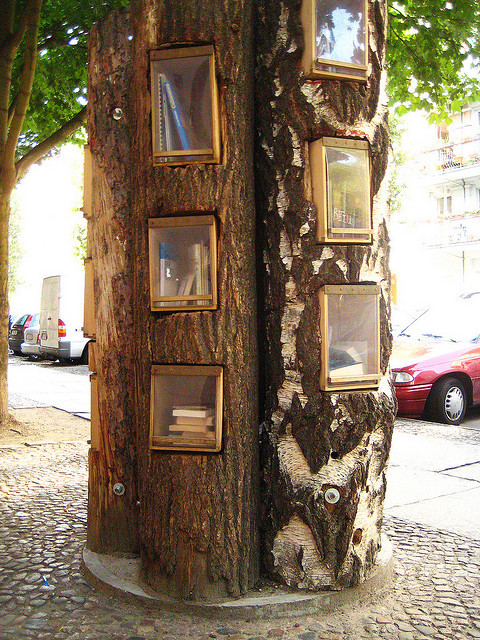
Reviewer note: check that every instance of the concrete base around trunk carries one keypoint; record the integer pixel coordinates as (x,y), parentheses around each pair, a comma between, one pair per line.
(123,575)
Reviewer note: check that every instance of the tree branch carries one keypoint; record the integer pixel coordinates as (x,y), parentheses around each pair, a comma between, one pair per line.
(26,79)
(56,138)
(58,39)
(9,43)
(412,52)
(12,43)
(11,109)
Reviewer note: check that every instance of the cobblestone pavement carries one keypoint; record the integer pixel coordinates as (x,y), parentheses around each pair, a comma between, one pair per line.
(44,594)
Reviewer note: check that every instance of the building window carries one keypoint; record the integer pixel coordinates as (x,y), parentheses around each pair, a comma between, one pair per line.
(442,132)
(444,206)
(440,207)
(466,116)
(448,207)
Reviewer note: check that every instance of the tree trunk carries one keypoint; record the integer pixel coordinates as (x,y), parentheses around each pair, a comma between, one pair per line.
(314,439)
(198,524)
(112,518)
(199,512)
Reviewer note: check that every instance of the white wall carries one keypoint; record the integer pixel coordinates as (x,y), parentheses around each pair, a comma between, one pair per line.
(45,198)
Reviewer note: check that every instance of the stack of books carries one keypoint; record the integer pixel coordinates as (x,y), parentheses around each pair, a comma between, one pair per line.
(193,422)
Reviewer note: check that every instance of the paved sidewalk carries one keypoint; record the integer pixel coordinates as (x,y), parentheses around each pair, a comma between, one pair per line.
(44,594)
(434,476)
(48,384)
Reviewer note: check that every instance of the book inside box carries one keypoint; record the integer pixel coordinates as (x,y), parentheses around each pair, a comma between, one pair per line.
(193,421)
(185,126)
(186,409)
(182,264)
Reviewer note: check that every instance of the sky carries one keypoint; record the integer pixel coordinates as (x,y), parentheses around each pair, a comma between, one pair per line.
(47,201)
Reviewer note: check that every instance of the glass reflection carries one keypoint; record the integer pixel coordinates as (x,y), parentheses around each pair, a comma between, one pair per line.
(348,193)
(340,33)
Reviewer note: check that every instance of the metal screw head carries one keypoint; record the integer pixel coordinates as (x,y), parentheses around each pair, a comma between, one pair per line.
(118,489)
(117,114)
(332,495)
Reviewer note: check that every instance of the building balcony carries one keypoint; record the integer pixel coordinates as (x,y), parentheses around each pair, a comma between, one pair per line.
(459,161)
(455,230)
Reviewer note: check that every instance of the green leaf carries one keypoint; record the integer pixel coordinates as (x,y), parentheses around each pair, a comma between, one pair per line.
(433,52)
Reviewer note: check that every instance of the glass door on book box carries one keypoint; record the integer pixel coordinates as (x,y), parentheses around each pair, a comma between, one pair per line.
(183,264)
(184,106)
(350,336)
(186,408)
(335,38)
(340,171)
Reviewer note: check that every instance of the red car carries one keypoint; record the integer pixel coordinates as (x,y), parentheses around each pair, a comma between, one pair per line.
(436,362)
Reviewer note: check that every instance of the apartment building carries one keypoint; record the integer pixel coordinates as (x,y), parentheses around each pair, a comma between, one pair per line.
(439,221)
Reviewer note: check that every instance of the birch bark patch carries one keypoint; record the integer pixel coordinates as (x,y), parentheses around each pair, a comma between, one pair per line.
(297,558)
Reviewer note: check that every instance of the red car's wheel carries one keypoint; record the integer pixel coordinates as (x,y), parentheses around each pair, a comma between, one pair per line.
(447,402)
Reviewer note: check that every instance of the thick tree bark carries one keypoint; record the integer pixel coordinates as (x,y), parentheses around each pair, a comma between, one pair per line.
(312,439)
(199,512)
(198,516)
(112,519)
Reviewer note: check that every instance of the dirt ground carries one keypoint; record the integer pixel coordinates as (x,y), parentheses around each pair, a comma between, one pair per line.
(45,424)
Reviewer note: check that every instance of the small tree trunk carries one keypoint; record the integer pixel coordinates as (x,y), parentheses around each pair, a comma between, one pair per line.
(4,220)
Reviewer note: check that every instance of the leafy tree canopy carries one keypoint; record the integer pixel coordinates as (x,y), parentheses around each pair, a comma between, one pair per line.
(434,55)
(59,87)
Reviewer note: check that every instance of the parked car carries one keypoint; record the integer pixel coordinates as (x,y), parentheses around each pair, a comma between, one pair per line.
(402,318)
(436,362)
(31,345)
(19,325)
(61,319)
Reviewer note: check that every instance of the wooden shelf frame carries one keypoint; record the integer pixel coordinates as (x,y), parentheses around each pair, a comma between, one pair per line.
(207,270)
(175,157)
(191,443)
(352,379)
(328,67)
(319,171)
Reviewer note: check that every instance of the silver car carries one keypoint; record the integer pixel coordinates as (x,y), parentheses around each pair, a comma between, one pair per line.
(31,345)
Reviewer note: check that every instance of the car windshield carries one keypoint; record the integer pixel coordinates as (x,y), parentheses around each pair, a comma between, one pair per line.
(457,322)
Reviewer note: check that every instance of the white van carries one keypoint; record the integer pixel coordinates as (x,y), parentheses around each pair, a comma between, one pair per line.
(61,319)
